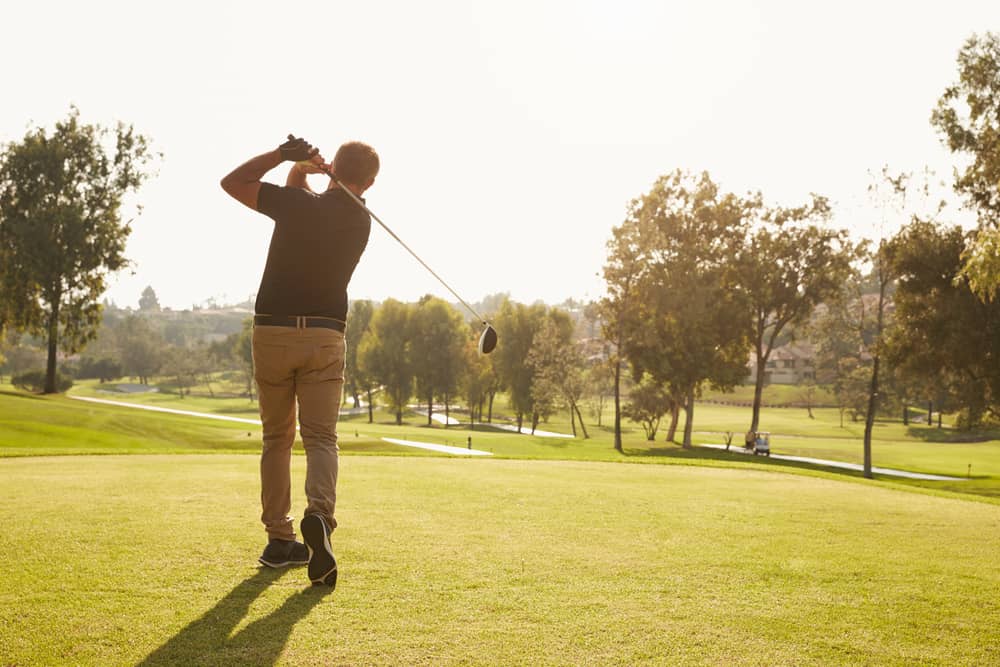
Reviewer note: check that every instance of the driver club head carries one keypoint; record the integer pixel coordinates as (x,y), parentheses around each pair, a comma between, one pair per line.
(488,339)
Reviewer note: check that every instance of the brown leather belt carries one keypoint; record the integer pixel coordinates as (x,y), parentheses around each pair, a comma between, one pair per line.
(299,322)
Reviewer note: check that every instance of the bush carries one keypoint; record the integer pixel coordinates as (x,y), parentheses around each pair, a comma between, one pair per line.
(35,381)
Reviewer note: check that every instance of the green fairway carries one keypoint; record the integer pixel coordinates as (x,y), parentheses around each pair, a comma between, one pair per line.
(151,560)
(36,425)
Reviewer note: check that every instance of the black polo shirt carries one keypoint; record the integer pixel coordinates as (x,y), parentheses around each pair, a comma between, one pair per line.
(317,241)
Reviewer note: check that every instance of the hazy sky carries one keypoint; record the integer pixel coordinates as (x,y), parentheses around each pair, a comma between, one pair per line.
(512,134)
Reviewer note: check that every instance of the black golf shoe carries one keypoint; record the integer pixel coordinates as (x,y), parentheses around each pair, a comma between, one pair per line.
(322,564)
(282,553)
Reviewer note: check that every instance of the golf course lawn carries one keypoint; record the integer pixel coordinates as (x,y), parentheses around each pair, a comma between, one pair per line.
(150,560)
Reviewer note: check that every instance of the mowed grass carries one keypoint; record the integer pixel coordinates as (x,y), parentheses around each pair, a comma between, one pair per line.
(36,425)
(151,560)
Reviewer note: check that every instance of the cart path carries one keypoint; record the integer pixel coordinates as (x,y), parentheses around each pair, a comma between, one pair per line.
(849,466)
(447,449)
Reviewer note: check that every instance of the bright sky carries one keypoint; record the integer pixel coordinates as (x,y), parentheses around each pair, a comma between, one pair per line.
(512,134)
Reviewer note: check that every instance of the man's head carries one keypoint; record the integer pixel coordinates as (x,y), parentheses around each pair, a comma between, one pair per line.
(355,165)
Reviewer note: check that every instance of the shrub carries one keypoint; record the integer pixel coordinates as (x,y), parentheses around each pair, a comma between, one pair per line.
(35,381)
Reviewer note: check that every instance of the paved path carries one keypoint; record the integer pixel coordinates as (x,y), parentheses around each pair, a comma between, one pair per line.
(172,411)
(447,449)
(849,466)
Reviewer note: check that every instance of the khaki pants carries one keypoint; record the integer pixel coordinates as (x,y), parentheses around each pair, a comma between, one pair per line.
(305,364)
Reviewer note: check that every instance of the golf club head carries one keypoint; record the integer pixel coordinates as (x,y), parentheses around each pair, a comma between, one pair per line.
(488,340)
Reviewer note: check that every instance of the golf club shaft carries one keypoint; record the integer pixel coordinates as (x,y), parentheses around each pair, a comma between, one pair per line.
(415,256)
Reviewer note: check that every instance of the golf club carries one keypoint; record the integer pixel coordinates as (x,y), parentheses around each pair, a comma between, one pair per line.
(488,339)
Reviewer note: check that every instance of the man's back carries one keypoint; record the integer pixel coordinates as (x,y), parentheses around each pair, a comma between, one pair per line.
(315,247)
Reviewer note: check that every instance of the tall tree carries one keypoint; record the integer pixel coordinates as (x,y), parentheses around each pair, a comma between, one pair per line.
(885,275)
(558,368)
(621,274)
(968,118)
(148,301)
(438,337)
(788,265)
(386,356)
(61,196)
(945,334)
(359,319)
(519,324)
(690,323)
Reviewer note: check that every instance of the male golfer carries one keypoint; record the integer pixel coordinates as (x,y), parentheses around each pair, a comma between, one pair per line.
(298,335)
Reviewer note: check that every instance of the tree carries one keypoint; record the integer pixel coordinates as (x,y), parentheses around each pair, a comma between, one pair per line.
(968,117)
(140,348)
(181,365)
(981,263)
(647,404)
(243,352)
(621,274)
(689,323)
(788,266)
(148,301)
(519,324)
(838,333)
(558,369)
(359,318)
(885,275)
(61,196)
(385,354)
(945,336)
(438,335)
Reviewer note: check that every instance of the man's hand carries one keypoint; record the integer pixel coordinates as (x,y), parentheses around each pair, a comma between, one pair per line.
(314,165)
(297,150)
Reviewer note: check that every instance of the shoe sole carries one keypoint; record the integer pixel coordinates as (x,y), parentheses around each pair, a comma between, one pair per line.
(278,566)
(322,564)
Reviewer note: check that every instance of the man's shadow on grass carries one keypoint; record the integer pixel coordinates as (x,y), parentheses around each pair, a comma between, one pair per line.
(207,639)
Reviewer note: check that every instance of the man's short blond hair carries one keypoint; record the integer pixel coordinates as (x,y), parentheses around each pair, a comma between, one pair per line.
(356,163)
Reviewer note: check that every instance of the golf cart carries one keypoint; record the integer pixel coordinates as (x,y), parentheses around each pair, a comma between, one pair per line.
(763,443)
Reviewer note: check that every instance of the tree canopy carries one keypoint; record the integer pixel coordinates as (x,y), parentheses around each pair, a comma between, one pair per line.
(61,196)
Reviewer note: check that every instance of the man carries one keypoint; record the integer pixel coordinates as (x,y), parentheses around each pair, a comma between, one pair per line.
(298,336)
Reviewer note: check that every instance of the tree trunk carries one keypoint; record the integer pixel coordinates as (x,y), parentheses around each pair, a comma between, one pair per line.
(583,427)
(675,416)
(447,412)
(572,420)
(534,422)
(688,418)
(489,417)
(50,369)
(758,390)
(930,412)
(430,406)
(873,388)
(520,420)
(906,415)
(618,404)
(399,417)
(357,398)
(371,414)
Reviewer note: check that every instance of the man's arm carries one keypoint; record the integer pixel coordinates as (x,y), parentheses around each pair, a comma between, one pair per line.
(243,183)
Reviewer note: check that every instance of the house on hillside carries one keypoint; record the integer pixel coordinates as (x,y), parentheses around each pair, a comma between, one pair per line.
(788,364)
